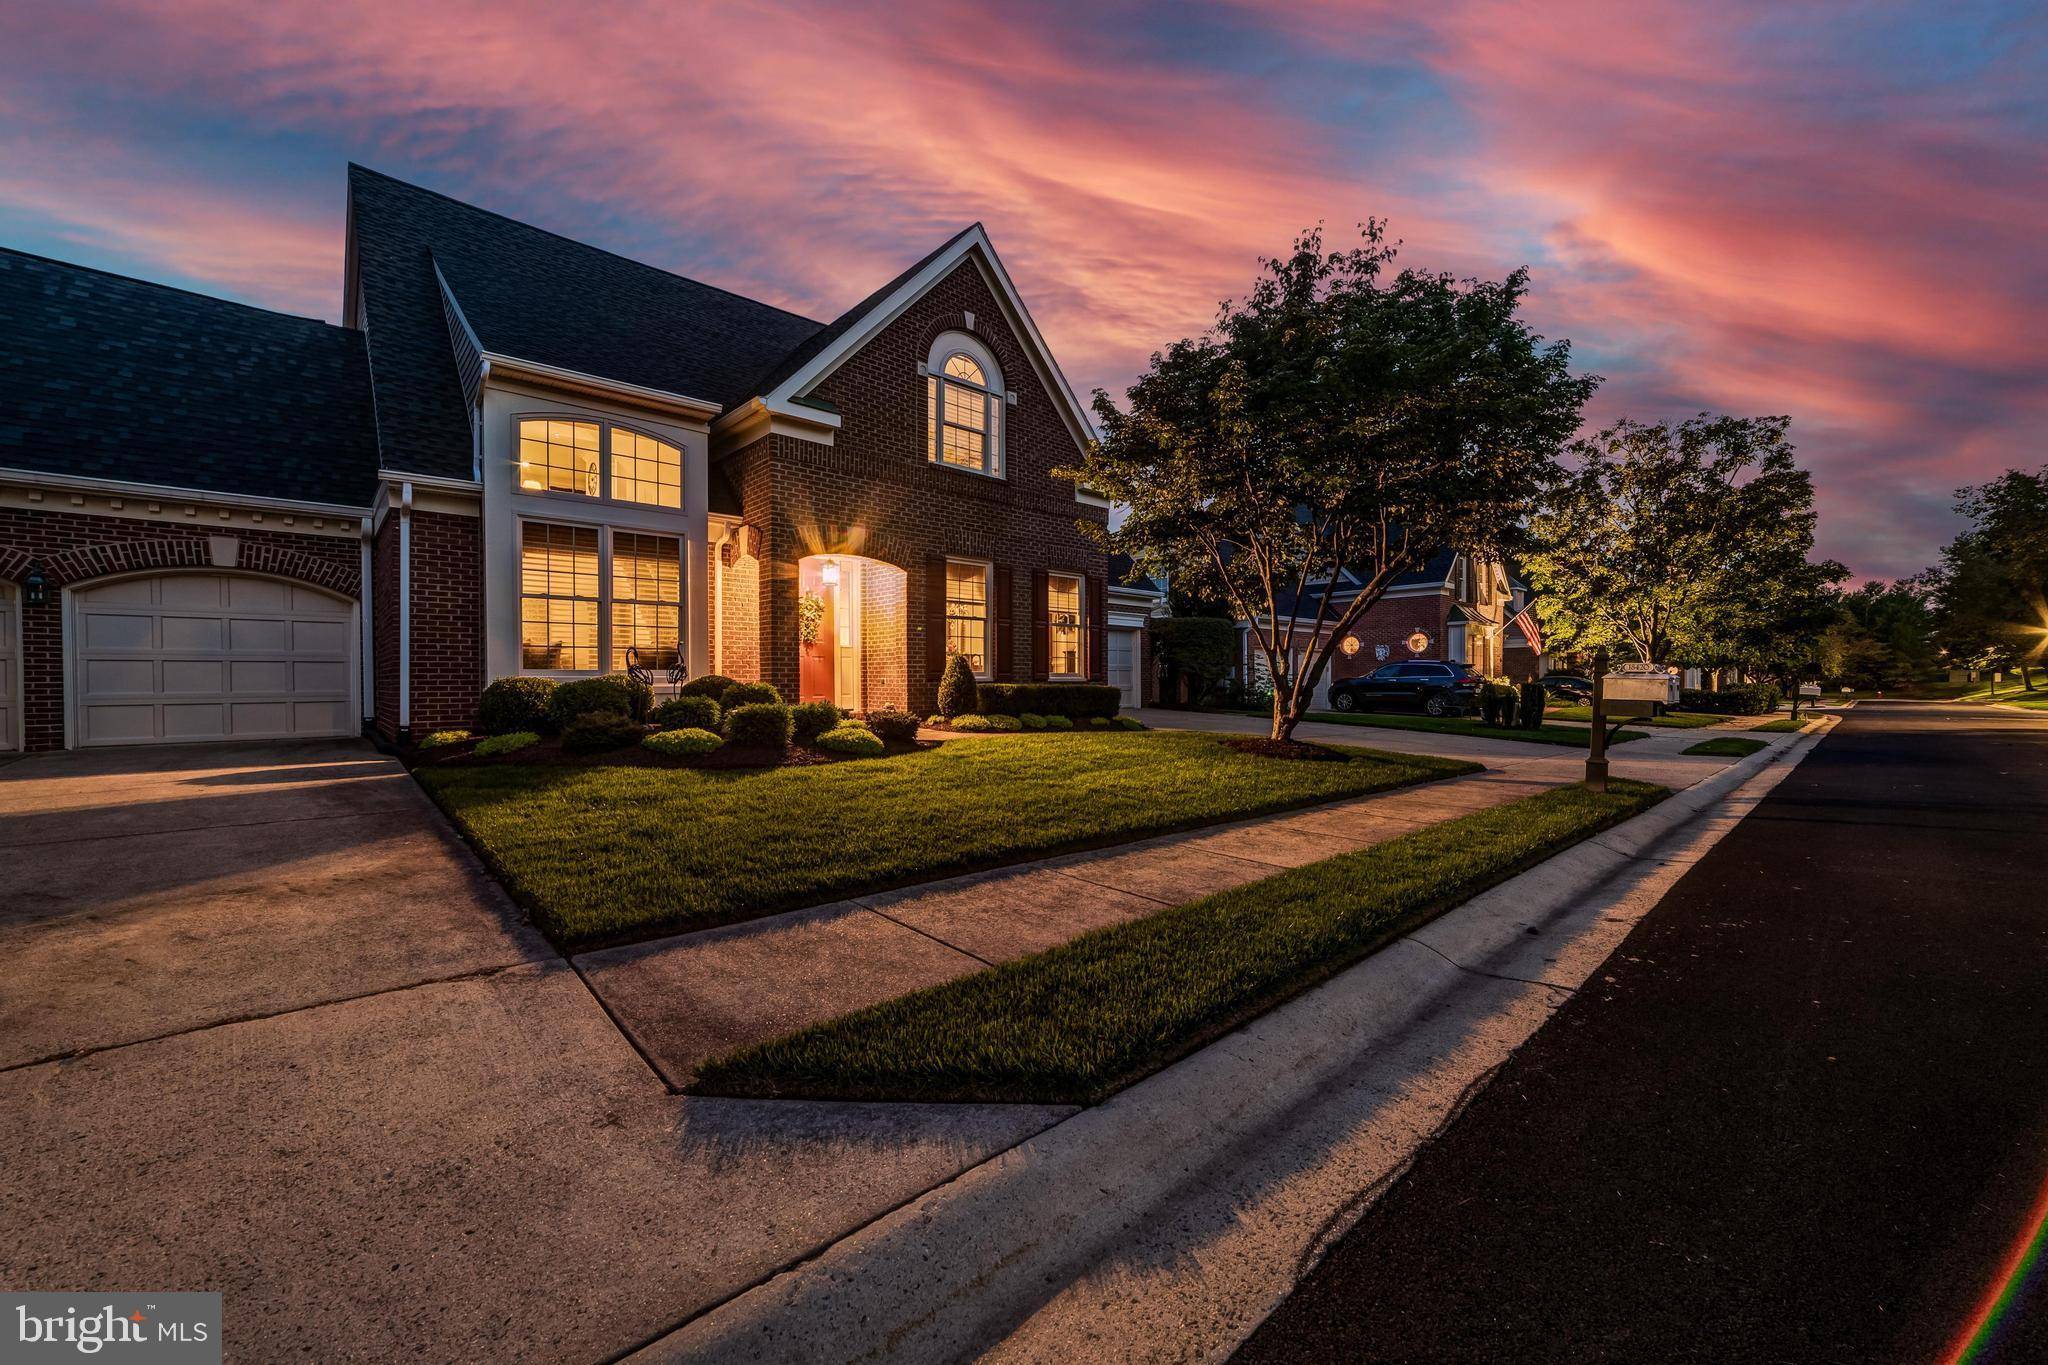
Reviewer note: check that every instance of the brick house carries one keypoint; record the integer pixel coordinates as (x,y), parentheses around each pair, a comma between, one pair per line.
(1455,607)
(521,454)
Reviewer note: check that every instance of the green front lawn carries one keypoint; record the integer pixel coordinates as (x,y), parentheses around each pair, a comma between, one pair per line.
(1074,1023)
(1564,735)
(1784,725)
(1727,746)
(1670,720)
(2026,702)
(607,853)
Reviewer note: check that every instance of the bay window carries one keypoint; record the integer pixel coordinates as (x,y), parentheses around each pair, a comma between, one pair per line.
(967,602)
(566,455)
(1063,624)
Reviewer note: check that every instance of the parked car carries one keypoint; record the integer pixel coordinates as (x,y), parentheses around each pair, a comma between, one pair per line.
(1572,687)
(1431,686)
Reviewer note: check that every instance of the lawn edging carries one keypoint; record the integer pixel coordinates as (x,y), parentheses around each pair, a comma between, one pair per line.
(1076,1023)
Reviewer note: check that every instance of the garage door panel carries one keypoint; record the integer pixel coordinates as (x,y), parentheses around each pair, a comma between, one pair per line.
(117,677)
(190,633)
(247,636)
(210,656)
(110,630)
(114,724)
(192,591)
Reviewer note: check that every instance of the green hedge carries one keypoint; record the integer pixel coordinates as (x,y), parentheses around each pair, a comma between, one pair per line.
(1743,699)
(1074,700)
(511,705)
(693,712)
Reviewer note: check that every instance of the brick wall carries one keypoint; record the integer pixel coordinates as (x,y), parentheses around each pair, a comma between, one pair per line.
(447,620)
(874,493)
(75,547)
(883,640)
(384,625)
(1390,622)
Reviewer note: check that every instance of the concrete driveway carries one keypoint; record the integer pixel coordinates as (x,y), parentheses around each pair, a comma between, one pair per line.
(266,1028)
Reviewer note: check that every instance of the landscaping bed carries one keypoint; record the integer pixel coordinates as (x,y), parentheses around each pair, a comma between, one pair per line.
(1078,1022)
(547,751)
(609,852)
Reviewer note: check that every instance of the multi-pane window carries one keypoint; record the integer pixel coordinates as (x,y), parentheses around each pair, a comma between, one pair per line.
(646,470)
(562,455)
(962,410)
(558,456)
(967,614)
(647,593)
(558,587)
(1063,624)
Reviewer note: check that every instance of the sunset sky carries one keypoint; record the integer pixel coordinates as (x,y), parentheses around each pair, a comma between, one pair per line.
(1836,211)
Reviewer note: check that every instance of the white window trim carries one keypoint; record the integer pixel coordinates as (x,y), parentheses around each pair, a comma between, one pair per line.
(605,531)
(947,345)
(1080,624)
(988,612)
(603,497)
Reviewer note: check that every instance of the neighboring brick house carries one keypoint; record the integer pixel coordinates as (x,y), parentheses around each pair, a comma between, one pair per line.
(525,455)
(1454,607)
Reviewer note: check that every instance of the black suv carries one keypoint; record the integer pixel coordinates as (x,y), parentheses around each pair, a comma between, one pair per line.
(1431,686)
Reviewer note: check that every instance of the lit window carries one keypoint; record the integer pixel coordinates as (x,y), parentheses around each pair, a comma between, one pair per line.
(967,614)
(1063,624)
(963,410)
(558,456)
(647,594)
(558,584)
(646,470)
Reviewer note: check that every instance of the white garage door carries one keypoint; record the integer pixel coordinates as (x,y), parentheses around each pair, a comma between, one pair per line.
(181,657)
(10,670)
(1123,665)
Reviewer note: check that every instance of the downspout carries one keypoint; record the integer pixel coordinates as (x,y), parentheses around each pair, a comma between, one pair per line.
(405,610)
(366,609)
(718,597)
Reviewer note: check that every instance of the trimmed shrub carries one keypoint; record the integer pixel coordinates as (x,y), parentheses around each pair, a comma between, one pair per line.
(639,695)
(936,722)
(1059,723)
(694,712)
(710,685)
(1743,699)
(1097,723)
(587,695)
(1533,702)
(1127,723)
(893,724)
(442,738)
(1072,699)
(600,732)
(959,694)
(1004,723)
(1497,704)
(683,743)
(813,719)
(510,705)
(506,744)
(856,740)
(758,725)
(968,724)
(1032,720)
(750,694)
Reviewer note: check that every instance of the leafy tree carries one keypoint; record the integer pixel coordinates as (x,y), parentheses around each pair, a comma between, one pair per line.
(1881,637)
(1989,588)
(1201,649)
(1682,544)
(1342,417)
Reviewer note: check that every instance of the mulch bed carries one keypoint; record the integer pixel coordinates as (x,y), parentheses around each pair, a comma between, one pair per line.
(549,753)
(1287,748)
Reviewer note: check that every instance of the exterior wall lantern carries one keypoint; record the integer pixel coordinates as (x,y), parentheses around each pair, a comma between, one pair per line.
(35,589)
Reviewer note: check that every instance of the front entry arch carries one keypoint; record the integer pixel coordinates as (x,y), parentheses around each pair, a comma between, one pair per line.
(852,645)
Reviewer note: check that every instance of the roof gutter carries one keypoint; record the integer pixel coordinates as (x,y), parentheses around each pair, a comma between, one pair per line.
(78,483)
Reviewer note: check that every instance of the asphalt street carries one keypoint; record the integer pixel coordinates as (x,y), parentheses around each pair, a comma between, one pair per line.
(1801,1116)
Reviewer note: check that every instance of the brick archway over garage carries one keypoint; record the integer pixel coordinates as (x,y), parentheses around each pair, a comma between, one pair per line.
(87,562)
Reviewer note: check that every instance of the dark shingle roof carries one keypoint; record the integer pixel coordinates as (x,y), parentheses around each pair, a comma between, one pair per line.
(1124,574)
(839,326)
(108,377)
(1433,571)
(536,296)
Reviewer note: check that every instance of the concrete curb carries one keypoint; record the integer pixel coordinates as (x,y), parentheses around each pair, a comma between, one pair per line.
(1167,1222)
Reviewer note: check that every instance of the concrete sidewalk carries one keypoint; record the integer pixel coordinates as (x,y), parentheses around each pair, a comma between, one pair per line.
(1165,1223)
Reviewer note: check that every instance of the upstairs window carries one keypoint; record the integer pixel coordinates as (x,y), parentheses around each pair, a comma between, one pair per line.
(565,455)
(963,406)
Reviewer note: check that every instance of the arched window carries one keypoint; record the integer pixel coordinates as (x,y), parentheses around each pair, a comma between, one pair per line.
(963,406)
(564,455)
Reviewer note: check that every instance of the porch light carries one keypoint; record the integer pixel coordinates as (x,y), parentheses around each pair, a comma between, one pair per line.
(35,589)
(830,573)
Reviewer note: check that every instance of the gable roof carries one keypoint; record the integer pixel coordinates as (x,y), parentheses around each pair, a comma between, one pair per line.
(534,295)
(114,378)
(1431,573)
(1123,573)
